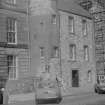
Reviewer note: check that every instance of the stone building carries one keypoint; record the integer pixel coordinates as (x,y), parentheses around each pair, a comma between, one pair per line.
(61,44)
(14,46)
(44,37)
(77,48)
(97,10)
(61,49)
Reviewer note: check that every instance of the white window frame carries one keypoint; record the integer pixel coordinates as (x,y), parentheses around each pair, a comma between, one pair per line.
(12,31)
(71,24)
(72,49)
(16,68)
(86,53)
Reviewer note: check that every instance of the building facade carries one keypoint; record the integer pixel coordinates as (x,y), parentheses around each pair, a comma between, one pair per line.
(60,49)
(44,37)
(77,48)
(14,46)
(97,10)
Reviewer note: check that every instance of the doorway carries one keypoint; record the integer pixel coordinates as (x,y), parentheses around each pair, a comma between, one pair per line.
(1,97)
(75,78)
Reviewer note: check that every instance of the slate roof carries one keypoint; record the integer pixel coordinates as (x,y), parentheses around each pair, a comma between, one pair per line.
(72,7)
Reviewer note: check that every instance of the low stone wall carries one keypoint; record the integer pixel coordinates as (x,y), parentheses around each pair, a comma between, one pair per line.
(25,85)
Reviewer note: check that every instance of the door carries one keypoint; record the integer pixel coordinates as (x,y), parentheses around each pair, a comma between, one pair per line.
(75,78)
(1,98)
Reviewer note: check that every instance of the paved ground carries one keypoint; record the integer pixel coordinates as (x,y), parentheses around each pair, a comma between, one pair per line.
(89,99)
(85,99)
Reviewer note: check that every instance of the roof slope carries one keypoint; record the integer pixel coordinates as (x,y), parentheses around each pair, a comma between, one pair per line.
(72,7)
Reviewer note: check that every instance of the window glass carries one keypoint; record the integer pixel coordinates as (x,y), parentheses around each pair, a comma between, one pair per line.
(11,31)
(72,49)
(41,52)
(12,67)
(84,27)
(89,75)
(55,52)
(86,53)
(53,19)
(71,24)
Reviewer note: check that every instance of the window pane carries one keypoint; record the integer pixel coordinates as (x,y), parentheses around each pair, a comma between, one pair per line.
(11,59)
(14,72)
(73,52)
(8,24)
(10,74)
(71,24)
(13,37)
(55,52)
(86,56)
(42,51)
(11,30)
(89,75)
(84,27)
(54,19)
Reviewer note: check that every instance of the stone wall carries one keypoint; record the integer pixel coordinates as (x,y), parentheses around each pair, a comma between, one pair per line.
(79,63)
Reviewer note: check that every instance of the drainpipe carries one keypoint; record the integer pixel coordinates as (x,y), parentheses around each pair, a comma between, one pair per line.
(58,31)
(58,26)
